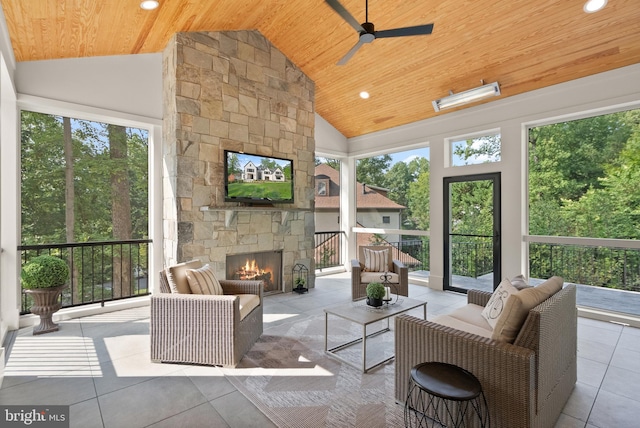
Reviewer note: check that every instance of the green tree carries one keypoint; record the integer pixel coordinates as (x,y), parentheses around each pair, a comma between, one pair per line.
(372,170)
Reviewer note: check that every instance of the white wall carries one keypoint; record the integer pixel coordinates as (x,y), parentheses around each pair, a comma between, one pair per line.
(614,90)
(126,83)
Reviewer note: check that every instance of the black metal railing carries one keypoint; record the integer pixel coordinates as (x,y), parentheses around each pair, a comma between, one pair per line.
(597,266)
(471,256)
(413,253)
(329,248)
(100,271)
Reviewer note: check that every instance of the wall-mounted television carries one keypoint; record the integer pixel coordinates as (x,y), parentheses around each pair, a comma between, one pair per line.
(257,179)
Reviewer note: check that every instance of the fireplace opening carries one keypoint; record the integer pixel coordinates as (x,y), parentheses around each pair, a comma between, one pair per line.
(265,266)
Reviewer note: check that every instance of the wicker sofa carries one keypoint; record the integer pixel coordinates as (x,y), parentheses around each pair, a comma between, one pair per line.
(526,383)
(204,329)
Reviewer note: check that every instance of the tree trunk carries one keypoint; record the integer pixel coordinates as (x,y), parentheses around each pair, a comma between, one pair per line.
(120,210)
(69,196)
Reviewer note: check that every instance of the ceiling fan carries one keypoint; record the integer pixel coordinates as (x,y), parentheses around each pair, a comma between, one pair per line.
(366,31)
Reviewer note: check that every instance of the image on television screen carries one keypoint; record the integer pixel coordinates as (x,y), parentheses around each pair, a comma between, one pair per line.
(255,178)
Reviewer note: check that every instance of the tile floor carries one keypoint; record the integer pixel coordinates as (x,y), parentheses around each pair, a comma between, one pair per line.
(100,366)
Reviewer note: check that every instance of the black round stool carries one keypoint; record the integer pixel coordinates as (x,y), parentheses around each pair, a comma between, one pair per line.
(441,394)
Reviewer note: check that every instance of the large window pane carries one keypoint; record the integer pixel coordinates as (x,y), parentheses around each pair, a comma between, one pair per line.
(583,183)
(329,238)
(392,194)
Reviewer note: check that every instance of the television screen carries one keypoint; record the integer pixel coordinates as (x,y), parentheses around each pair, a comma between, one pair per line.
(257,179)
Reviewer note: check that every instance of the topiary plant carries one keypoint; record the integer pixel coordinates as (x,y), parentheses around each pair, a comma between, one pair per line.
(375,290)
(43,272)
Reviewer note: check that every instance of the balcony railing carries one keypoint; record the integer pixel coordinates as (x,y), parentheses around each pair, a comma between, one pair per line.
(329,248)
(596,266)
(100,271)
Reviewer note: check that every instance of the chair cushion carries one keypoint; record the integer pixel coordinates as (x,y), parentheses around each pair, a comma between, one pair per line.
(459,324)
(471,314)
(368,277)
(518,306)
(177,276)
(248,302)
(498,302)
(203,281)
(376,261)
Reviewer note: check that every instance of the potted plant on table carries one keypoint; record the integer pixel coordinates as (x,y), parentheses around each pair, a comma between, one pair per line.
(43,278)
(375,293)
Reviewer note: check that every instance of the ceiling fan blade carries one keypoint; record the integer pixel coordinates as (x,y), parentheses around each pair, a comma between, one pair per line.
(418,30)
(351,52)
(344,13)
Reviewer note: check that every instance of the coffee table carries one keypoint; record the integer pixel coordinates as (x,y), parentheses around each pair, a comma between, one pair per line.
(360,313)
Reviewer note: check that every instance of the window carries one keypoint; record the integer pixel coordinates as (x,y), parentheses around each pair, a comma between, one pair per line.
(583,183)
(475,150)
(322,187)
(329,239)
(392,193)
(73,173)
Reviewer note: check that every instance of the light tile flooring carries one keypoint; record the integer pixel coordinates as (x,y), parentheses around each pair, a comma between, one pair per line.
(100,366)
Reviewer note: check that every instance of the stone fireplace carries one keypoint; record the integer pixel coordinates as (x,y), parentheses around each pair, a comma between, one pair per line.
(265,266)
(234,91)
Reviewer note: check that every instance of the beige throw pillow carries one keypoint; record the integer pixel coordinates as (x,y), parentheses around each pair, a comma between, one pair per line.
(203,281)
(498,302)
(518,306)
(177,276)
(376,261)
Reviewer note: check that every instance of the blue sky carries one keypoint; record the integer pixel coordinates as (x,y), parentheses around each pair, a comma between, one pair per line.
(409,155)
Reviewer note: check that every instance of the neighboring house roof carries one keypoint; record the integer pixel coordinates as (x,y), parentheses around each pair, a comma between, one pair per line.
(367,196)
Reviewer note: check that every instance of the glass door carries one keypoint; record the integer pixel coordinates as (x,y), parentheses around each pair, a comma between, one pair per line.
(472,250)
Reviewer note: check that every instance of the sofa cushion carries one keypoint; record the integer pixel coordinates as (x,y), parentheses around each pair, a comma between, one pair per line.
(376,261)
(177,276)
(518,306)
(368,277)
(498,301)
(248,302)
(203,281)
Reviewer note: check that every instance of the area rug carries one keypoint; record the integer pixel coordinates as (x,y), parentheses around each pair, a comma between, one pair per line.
(294,383)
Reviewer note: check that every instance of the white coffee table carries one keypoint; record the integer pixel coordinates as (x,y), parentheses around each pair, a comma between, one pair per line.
(359,313)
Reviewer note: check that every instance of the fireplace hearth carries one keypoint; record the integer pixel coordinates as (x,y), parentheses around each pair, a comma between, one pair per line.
(265,266)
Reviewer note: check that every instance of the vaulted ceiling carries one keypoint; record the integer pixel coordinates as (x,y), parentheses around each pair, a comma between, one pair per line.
(524,45)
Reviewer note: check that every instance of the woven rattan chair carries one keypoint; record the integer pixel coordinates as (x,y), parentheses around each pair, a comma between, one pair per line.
(526,383)
(361,278)
(204,329)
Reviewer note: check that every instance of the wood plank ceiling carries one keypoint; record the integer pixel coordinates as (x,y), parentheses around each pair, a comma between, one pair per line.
(524,45)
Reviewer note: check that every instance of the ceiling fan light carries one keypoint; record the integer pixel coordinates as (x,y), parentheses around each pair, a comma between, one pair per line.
(475,94)
(149,4)
(592,6)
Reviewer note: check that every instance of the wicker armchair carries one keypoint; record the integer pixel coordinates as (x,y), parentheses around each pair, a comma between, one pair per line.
(360,278)
(204,329)
(526,383)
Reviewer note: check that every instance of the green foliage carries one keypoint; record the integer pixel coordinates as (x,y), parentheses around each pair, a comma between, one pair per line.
(43,180)
(44,271)
(375,290)
(372,170)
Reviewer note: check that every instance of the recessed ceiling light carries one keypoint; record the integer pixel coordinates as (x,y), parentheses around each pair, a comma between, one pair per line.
(149,4)
(594,5)
(364,95)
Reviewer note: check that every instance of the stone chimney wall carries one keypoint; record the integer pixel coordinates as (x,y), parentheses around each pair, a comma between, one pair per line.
(234,90)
